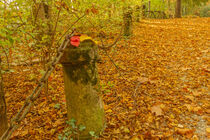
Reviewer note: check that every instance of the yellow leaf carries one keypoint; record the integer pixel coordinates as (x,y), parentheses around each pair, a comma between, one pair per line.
(86,37)
(195,137)
(126,130)
(208,130)
(135,138)
(109,111)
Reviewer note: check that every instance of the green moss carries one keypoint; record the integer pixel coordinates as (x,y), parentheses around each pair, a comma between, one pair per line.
(82,73)
(80,63)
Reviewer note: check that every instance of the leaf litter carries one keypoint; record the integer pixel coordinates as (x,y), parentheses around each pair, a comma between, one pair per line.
(161,93)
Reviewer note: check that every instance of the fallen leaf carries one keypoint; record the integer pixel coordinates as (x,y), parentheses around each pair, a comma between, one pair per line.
(180,126)
(208,111)
(135,138)
(208,130)
(190,97)
(109,111)
(157,110)
(185,132)
(196,94)
(143,79)
(116,131)
(189,107)
(195,137)
(126,130)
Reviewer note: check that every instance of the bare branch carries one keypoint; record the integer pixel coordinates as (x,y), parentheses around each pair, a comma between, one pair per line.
(70,27)
(116,40)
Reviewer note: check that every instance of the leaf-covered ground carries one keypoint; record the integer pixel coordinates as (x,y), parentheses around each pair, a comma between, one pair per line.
(160,89)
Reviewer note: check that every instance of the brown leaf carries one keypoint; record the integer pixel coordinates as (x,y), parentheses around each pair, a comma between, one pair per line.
(143,79)
(157,110)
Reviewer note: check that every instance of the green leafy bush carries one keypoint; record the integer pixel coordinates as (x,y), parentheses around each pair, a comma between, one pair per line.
(205,11)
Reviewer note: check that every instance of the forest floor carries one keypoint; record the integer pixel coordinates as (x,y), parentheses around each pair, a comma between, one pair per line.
(160,89)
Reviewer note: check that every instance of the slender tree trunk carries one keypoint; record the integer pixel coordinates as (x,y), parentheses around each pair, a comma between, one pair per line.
(42,15)
(3,115)
(178,9)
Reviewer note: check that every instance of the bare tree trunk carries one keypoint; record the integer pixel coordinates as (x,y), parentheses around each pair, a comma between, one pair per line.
(42,15)
(3,115)
(178,9)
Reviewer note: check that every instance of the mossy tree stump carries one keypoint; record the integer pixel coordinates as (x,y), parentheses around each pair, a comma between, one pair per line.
(84,103)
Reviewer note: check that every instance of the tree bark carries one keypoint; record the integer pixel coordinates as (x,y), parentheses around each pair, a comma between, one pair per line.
(3,115)
(178,9)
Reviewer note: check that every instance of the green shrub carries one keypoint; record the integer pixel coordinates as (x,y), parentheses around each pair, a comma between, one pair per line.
(205,11)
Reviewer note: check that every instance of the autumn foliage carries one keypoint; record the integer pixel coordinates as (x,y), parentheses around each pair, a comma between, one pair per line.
(159,89)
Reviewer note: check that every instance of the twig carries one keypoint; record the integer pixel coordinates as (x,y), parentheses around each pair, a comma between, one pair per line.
(70,27)
(117,39)
(117,68)
(134,94)
(56,23)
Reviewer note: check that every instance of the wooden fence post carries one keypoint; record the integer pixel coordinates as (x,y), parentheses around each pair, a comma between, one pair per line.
(149,6)
(138,11)
(127,17)
(83,99)
(143,11)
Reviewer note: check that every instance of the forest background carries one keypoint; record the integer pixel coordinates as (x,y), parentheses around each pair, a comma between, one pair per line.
(32,30)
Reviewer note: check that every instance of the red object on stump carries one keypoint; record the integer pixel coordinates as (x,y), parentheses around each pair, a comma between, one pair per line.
(75,40)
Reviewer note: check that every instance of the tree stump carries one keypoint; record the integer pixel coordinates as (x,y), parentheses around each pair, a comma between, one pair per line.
(84,103)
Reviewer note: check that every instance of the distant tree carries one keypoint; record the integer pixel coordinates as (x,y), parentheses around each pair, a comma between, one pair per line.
(190,6)
(198,2)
